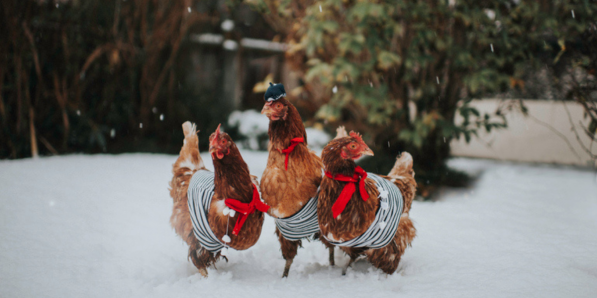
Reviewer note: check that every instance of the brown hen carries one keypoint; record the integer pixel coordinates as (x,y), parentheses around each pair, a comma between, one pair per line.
(288,183)
(357,216)
(231,181)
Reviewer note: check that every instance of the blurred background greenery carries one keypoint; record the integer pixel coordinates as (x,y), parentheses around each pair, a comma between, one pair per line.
(122,75)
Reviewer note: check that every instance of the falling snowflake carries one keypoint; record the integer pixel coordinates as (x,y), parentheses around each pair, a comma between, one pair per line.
(161,117)
(189,9)
(335,89)
(491,45)
(437,79)
(573,14)
(320,10)
(112,133)
(140,125)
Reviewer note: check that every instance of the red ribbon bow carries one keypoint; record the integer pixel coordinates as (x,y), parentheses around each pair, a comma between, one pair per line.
(287,151)
(359,176)
(245,209)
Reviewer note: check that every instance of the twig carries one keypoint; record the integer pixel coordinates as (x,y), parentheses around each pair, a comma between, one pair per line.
(48,145)
(34,151)
(593,156)
(32,135)
(559,134)
(116,19)
(94,55)
(19,79)
(35,55)
(62,98)
(2,108)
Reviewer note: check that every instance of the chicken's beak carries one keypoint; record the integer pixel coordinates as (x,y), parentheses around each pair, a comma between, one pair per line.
(368,151)
(267,109)
(212,149)
(215,152)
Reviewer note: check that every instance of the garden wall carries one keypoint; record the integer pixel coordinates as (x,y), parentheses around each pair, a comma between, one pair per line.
(545,135)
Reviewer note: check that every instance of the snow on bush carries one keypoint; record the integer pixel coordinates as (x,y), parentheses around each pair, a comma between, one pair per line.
(317,138)
(252,125)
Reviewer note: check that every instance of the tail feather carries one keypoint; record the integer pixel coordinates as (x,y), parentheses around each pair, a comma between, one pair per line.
(189,158)
(403,166)
(189,161)
(403,176)
(341,132)
(189,129)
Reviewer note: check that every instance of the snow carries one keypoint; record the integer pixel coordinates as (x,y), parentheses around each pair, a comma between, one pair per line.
(490,13)
(98,226)
(317,138)
(251,124)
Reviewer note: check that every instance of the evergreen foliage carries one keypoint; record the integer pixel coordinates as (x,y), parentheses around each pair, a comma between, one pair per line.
(401,71)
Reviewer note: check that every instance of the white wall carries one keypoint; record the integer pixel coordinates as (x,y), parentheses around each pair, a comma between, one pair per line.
(528,138)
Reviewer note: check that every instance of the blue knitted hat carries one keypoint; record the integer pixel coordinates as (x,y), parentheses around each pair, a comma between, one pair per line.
(274,92)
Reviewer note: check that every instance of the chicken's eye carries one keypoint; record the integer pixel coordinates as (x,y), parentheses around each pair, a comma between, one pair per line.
(278,106)
(353,146)
(223,142)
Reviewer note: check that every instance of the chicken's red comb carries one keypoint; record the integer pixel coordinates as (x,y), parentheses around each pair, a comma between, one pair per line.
(357,136)
(218,131)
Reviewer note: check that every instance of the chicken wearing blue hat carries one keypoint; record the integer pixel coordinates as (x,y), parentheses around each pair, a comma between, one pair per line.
(291,177)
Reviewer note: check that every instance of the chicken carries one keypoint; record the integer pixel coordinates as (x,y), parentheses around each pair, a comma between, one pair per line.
(292,175)
(220,209)
(364,213)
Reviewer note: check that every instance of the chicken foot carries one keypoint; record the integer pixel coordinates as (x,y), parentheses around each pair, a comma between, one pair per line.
(201,258)
(352,259)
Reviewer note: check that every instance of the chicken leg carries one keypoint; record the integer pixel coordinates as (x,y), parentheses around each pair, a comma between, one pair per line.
(289,249)
(201,258)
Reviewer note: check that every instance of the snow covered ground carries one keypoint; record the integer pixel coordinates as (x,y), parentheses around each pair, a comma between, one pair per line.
(97,226)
